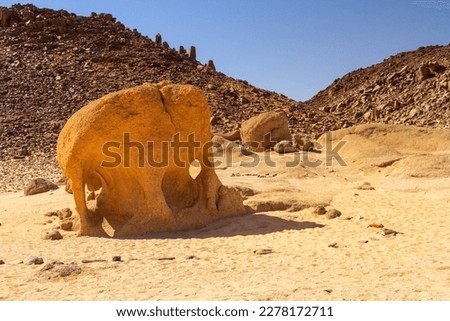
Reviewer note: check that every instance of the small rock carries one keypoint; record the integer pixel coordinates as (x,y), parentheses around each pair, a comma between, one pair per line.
(2,262)
(35,260)
(263,251)
(117,258)
(284,147)
(328,290)
(166,259)
(333,245)
(66,225)
(332,213)
(39,185)
(65,213)
(424,72)
(366,187)
(414,112)
(93,261)
(190,257)
(376,225)
(53,235)
(53,213)
(363,241)
(69,269)
(358,114)
(309,146)
(51,265)
(389,232)
(320,210)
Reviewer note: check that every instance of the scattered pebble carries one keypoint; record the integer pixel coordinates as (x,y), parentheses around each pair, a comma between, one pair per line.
(166,259)
(117,258)
(376,225)
(62,214)
(333,245)
(35,260)
(364,241)
(263,251)
(328,290)
(2,262)
(65,213)
(190,257)
(39,185)
(51,265)
(332,213)
(93,261)
(53,235)
(366,187)
(388,232)
(320,210)
(52,213)
(66,225)
(69,269)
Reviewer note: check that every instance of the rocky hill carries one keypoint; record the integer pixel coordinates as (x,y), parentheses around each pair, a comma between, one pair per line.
(54,62)
(410,88)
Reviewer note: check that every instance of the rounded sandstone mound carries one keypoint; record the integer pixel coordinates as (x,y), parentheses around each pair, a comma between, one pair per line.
(399,150)
(133,149)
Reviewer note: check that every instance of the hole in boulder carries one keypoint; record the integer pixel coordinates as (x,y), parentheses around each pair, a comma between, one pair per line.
(195,169)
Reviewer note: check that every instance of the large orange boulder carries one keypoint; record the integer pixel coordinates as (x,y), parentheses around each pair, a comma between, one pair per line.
(133,151)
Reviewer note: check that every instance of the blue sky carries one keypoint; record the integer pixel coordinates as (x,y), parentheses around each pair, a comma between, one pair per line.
(295,47)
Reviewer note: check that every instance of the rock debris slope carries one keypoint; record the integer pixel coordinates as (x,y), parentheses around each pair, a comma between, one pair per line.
(54,62)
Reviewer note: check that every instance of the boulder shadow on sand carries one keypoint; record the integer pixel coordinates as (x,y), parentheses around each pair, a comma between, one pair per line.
(250,224)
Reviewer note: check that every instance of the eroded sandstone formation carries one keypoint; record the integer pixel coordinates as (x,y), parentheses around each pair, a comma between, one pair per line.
(134,149)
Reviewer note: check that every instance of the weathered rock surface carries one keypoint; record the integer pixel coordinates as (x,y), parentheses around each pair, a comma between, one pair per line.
(143,182)
(265,130)
(39,185)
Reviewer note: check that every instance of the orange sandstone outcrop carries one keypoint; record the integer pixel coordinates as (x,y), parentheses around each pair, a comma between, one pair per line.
(134,149)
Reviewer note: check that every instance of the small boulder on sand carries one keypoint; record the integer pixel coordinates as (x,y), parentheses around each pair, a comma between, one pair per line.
(265,130)
(333,213)
(39,185)
(284,147)
(53,235)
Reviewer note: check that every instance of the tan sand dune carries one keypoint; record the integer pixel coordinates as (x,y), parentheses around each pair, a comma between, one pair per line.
(284,251)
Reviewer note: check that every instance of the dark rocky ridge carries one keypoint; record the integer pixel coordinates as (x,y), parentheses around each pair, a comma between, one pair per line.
(54,62)
(411,88)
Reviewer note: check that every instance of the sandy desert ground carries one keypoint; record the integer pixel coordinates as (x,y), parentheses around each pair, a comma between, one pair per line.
(398,177)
